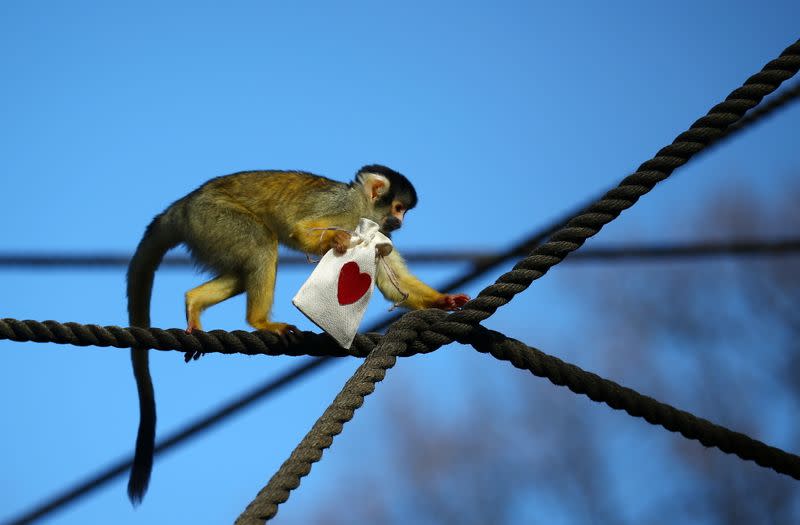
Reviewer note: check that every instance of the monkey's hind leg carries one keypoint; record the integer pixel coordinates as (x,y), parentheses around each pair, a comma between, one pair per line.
(229,238)
(208,294)
(259,284)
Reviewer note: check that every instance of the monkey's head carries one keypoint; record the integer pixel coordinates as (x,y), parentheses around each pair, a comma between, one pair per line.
(389,192)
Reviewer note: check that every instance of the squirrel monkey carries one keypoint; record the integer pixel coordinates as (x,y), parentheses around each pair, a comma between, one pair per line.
(232,226)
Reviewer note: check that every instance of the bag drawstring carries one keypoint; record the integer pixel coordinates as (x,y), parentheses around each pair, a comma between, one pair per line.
(392,279)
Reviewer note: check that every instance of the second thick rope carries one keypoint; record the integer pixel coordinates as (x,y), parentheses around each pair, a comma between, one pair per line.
(704,131)
(330,424)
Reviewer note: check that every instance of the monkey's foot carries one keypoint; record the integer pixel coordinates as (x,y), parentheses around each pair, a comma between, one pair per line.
(278,328)
(191,354)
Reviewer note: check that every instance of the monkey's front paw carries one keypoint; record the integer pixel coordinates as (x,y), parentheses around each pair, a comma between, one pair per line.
(451,301)
(340,242)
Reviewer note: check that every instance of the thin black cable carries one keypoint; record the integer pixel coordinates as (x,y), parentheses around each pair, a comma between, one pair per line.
(12,260)
(686,250)
(121,467)
(516,250)
(476,257)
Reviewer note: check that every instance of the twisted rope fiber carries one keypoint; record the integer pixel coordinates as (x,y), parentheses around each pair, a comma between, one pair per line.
(319,345)
(265,505)
(198,342)
(619,397)
(704,131)
(526,245)
(781,99)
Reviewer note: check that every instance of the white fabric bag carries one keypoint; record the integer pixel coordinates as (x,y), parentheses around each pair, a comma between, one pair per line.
(337,292)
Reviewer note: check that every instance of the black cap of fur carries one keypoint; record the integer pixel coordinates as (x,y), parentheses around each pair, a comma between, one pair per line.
(400,187)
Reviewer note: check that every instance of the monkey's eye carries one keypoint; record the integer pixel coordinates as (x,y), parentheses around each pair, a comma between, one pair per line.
(399,207)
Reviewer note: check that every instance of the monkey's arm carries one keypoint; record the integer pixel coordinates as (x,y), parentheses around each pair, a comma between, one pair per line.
(317,236)
(420,295)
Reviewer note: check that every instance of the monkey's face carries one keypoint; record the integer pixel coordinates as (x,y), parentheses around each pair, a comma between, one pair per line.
(389,193)
(394,215)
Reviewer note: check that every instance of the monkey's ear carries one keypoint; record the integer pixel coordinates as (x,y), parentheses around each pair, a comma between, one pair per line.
(375,186)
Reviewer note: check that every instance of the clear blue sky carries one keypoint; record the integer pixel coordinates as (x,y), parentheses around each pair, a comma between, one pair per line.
(503,114)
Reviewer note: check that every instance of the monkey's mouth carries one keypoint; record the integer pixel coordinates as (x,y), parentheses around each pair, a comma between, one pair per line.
(391,224)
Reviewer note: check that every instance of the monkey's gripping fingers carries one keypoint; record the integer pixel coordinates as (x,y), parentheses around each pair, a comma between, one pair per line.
(451,301)
(340,241)
(337,239)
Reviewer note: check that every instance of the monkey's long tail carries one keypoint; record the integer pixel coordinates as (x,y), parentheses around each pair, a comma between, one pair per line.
(157,240)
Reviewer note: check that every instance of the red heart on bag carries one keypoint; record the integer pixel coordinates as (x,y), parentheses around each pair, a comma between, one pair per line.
(352,283)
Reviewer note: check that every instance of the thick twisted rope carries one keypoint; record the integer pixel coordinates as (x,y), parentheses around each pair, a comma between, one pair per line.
(619,397)
(700,134)
(265,505)
(197,342)
(704,131)
(524,247)
(321,345)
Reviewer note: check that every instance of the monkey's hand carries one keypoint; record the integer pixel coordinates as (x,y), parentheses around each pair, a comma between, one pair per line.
(340,241)
(450,301)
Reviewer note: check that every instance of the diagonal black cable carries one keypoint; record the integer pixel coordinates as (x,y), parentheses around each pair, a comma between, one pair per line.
(686,250)
(526,245)
(95,261)
(476,257)
(520,248)
(122,466)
